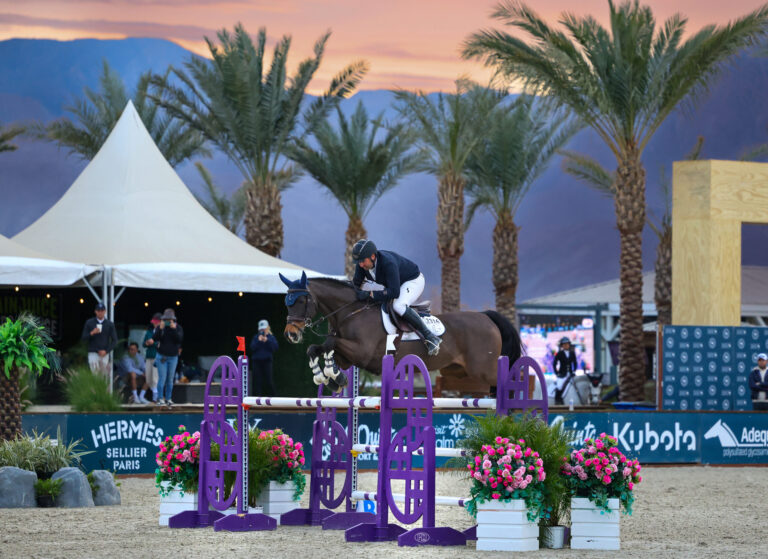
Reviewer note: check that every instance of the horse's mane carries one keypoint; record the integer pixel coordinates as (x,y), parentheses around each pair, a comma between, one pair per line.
(345,283)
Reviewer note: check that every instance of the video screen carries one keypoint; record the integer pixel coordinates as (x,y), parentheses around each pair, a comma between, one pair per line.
(541,335)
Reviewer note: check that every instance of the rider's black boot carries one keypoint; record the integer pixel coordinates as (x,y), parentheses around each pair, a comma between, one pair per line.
(430,340)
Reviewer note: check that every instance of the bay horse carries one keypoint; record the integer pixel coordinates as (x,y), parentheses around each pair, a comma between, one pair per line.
(471,346)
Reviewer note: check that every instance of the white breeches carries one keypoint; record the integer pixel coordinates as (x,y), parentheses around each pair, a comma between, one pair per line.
(410,292)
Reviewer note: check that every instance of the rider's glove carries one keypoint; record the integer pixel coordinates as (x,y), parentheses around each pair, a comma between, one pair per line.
(362,295)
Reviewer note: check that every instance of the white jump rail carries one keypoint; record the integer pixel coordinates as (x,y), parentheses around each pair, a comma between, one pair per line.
(363,402)
(400,498)
(439,451)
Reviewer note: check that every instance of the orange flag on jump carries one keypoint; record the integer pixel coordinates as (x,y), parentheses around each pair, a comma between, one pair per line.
(240,343)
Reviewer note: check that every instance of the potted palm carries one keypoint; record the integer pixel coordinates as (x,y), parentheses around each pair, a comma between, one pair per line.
(601,480)
(24,344)
(47,490)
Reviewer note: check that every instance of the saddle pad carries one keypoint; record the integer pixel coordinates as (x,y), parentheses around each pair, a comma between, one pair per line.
(433,323)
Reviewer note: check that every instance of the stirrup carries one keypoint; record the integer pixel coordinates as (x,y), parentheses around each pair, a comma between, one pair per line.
(433,348)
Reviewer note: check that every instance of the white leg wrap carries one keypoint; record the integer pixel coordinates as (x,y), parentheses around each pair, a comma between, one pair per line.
(329,369)
(317,374)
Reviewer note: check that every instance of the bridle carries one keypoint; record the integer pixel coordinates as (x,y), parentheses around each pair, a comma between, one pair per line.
(307,316)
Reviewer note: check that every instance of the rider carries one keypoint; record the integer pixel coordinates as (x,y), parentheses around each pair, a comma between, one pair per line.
(402,281)
(564,365)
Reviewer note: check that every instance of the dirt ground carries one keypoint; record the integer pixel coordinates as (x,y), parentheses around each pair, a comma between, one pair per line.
(679,512)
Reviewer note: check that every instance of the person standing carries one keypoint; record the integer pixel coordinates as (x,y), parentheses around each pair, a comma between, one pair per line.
(758,378)
(150,351)
(565,366)
(262,346)
(101,336)
(168,337)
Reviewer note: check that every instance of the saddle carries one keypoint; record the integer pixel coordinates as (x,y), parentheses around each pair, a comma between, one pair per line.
(424,308)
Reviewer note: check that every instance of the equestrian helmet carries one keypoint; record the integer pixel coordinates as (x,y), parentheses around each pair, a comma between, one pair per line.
(565,340)
(363,249)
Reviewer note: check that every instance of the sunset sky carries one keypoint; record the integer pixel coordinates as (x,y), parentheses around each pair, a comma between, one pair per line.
(409,44)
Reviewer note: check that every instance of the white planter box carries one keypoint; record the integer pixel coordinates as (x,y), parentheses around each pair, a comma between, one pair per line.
(504,526)
(592,528)
(277,498)
(174,503)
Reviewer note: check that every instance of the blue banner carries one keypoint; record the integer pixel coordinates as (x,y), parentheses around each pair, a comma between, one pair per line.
(707,367)
(127,443)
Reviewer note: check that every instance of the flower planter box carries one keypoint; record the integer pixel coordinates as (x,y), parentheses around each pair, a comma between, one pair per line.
(504,526)
(277,498)
(593,528)
(174,503)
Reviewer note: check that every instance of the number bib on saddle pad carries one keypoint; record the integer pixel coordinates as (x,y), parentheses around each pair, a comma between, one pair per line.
(432,322)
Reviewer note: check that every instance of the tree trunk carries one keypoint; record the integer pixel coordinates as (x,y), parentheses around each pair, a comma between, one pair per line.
(630,219)
(450,238)
(505,273)
(355,232)
(264,217)
(10,406)
(663,286)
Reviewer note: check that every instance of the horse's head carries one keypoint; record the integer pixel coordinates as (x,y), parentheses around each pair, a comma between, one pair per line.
(301,307)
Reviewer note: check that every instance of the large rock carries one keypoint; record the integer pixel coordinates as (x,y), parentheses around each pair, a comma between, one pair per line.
(75,489)
(106,490)
(17,488)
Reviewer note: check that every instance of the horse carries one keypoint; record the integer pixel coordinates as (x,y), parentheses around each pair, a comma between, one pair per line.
(471,344)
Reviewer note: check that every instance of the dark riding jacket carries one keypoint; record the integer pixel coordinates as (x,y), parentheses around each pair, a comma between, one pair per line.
(564,365)
(391,270)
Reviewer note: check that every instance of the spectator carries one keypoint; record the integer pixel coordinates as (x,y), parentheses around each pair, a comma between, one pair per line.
(565,366)
(758,380)
(131,369)
(263,345)
(168,337)
(101,336)
(149,353)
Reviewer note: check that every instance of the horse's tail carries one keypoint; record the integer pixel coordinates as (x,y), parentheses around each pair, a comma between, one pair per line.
(511,345)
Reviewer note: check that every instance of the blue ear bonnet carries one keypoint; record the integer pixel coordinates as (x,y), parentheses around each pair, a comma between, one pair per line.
(296,288)
(292,296)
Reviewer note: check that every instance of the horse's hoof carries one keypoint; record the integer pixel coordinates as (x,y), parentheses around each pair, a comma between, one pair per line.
(341,380)
(333,386)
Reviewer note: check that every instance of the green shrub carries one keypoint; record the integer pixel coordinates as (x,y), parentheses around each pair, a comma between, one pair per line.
(38,453)
(89,392)
(550,441)
(50,487)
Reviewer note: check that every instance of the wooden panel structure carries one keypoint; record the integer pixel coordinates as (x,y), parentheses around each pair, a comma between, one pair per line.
(710,201)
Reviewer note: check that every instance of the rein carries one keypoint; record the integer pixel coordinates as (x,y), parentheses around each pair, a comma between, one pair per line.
(311,325)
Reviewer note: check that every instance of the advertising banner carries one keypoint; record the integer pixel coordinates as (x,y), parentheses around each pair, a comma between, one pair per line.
(127,443)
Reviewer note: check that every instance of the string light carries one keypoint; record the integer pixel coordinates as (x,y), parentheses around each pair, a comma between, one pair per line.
(178,303)
(47,295)
(239,293)
(16,288)
(210,299)
(82,301)
(146,304)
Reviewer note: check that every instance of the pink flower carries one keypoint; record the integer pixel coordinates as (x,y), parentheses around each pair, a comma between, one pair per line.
(177,469)
(607,480)
(496,495)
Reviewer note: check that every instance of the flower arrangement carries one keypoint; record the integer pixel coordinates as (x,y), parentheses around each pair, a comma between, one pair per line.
(178,461)
(274,456)
(600,471)
(507,470)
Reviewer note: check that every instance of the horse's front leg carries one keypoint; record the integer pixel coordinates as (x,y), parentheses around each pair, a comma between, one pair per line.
(329,375)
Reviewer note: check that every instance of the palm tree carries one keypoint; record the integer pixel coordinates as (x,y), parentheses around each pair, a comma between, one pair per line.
(449,127)
(514,152)
(590,171)
(355,167)
(227,210)
(96,115)
(8,133)
(622,82)
(252,116)
(24,343)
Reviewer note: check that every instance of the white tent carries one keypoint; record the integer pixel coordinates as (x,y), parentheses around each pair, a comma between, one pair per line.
(130,211)
(20,265)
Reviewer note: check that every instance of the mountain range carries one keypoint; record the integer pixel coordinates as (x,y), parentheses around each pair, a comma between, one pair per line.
(568,236)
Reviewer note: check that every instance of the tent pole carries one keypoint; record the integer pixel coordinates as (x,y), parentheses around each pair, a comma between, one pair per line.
(109,296)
